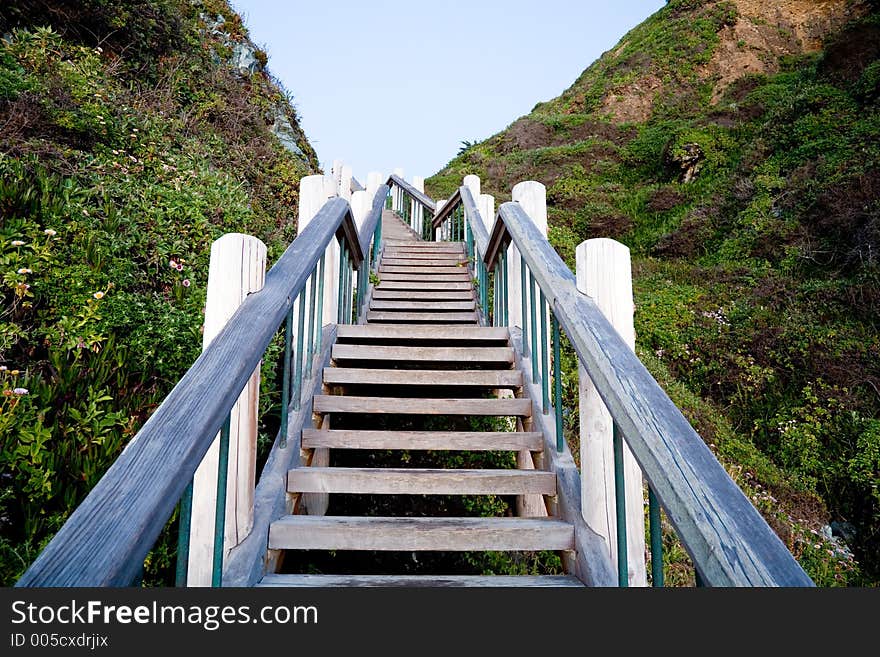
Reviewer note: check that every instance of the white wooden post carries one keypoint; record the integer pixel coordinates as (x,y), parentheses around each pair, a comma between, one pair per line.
(418,211)
(344,190)
(331,262)
(360,206)
(374,181)
(237,268)
(486,204)
(440,202)
(604,273)
(336,174)
(532,196)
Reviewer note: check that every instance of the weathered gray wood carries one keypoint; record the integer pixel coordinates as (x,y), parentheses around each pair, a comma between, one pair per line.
(426,278)
(247,563)
(418,406)
(420,481)
(728,539)
(434,440)
(105,540)
(415,194)
(377,533)
(482,581)
(421,261)
(422,333)
(421,271)
(396,377)
(427,286)
(435,295)
(385,353)
(424,318)
(422,306)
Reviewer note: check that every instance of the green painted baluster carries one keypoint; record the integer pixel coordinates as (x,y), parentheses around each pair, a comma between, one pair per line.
(656,531)
(319,315)
(183,528)
(505,300)
(310,348)
(377,240)
(545,380)
(220,509)
(534,328)
(524,300)
(298,370)
(285,380)
(620,505)
(339,307)
(557,382)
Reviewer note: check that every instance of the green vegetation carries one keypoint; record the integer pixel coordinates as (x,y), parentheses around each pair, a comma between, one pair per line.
(128,144)
(757,281)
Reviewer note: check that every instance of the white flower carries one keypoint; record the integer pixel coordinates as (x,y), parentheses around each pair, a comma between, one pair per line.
(20,391)
(25,270)
(98,295)
(50,232)
(17,243)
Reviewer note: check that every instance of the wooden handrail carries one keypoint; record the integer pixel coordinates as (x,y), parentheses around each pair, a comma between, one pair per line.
(106,538)
(443,213)
(729,541)
(419,197)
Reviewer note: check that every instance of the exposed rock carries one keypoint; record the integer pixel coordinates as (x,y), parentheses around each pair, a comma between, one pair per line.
(244,58)
(689,159)
(286,133)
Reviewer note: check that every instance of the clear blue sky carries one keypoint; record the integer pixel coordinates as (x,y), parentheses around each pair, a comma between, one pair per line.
(387,84)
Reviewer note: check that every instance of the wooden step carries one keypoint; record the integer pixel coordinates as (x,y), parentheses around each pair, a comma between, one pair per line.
(423,306)
(354,332)
(357,581)
(425,278)
(420,481)
(421,271)
(425,285)
(457,247)
(303,532)
(518,407)
(417,261)
(430,295)
(424,318)
(388,353)
(458,378)
(433,440)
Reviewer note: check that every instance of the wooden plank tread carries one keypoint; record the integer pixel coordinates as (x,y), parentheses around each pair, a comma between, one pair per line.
(422,271)
(424,285)
(463,276)
(425,318)
(434,440)
(420,481)
(426,306)
(429,295)
(474,333)
(302,532)
(458,378)
(519,407)
(343,351)
(507,581)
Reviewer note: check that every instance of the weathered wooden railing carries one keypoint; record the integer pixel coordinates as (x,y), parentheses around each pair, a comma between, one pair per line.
(535,294)
(410,202)
(106,539)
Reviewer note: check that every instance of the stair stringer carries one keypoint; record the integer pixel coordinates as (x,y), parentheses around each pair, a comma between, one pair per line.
(592,565)
(247,562)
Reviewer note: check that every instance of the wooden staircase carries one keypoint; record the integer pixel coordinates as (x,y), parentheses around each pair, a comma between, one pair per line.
(422,355)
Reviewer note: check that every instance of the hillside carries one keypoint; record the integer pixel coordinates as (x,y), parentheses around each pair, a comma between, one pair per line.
(131,136)
(734,147)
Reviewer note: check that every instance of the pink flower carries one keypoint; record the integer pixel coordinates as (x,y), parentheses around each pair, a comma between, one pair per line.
(21,392)
(185,282)
(179,267)
(172,264)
